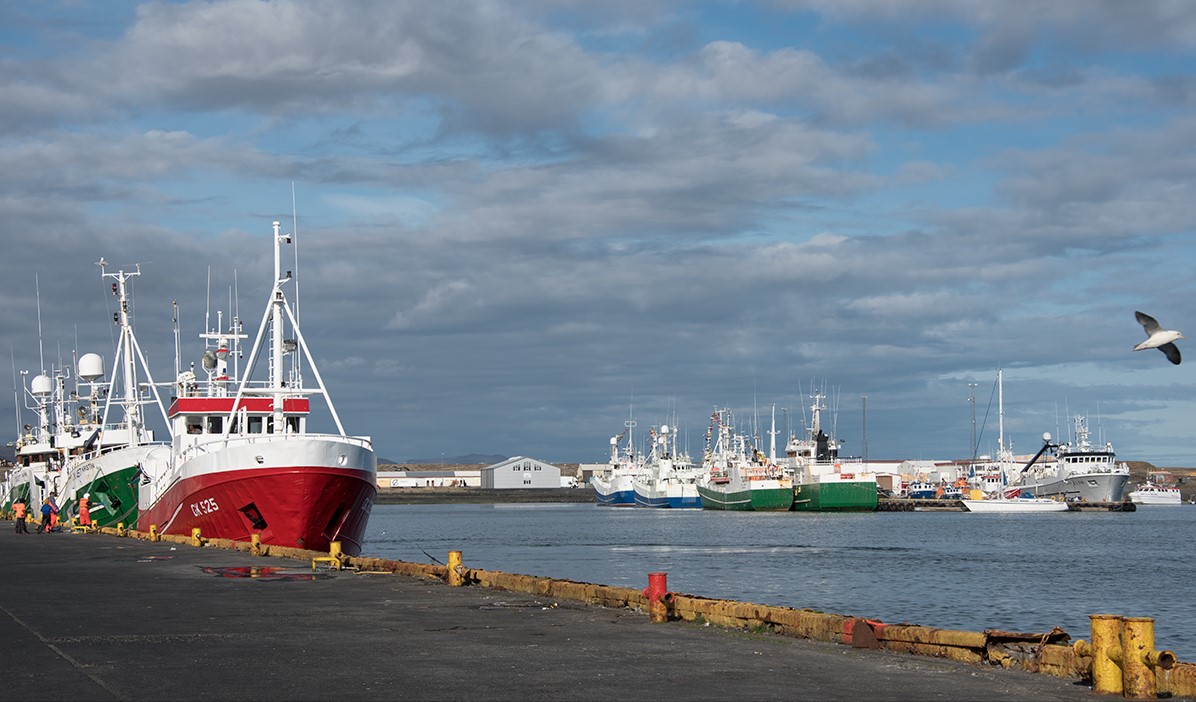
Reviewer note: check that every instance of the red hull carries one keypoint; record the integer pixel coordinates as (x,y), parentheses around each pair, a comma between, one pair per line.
(300,507)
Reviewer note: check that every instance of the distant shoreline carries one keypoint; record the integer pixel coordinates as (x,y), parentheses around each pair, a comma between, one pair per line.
(475,495)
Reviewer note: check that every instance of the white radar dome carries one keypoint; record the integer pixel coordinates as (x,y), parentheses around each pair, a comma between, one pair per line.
(91,366)
(614,440)
(664,428)
(42,385)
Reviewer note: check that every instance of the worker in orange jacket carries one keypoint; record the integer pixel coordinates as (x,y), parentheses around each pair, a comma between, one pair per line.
(19,509)
(85,510)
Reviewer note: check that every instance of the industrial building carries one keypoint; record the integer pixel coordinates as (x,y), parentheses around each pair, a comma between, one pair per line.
(521,472)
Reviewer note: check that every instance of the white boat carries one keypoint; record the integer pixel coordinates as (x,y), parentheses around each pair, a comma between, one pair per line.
(242,462)
(1080,471)
(69,430)
(615,485)
(669,479)
(1156,495)
(109,467)
(1006,498)
(1015,504)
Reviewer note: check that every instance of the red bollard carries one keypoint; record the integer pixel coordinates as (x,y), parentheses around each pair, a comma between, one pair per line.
(660,600)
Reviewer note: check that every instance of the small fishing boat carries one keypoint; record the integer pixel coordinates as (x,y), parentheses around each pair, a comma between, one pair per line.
(921,490)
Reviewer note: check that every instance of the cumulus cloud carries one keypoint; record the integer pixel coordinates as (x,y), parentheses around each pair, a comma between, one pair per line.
(509,212)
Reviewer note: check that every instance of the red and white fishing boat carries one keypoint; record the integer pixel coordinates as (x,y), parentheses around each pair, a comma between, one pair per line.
(241,459)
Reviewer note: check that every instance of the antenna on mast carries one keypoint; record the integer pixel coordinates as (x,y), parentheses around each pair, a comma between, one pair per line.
(236,326)
(864,427)
(174,320)
(295,229)
(207,314)
(41,356)
(16,405)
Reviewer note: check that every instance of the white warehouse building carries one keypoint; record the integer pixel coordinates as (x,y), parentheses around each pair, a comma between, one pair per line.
(521,472)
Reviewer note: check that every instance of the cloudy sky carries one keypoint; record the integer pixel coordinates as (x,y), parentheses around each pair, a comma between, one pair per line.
(519,223)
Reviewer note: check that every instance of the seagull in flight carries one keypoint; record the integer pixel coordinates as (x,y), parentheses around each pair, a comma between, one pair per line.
(1158,337)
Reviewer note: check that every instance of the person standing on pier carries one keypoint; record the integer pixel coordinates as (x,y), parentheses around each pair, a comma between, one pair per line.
(47,510)
(19,509)
(85,510)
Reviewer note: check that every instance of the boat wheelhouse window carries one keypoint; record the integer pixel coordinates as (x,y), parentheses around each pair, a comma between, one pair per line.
(293,425)
(215,424)
(194,424)
(255,425)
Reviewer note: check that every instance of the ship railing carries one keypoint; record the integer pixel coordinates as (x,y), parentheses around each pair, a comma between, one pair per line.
(195,449)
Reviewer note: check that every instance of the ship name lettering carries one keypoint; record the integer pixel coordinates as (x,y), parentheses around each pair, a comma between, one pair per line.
(204,507)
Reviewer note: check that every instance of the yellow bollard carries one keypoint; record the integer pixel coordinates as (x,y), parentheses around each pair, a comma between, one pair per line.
(153,533)
(121,530)
(1106,653)
(335,558)
(196,538)
(256,547)
(1141,658)
(456,571)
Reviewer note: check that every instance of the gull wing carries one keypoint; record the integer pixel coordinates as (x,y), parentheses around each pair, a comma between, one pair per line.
(1171,351)
(1148,323)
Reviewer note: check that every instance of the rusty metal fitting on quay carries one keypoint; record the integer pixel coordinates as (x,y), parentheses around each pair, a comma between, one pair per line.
(1124,659)
(456,570)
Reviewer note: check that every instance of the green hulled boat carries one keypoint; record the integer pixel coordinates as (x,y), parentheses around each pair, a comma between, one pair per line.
(818,477)
(764,494)
(733,480)
(111,481)
(835,492)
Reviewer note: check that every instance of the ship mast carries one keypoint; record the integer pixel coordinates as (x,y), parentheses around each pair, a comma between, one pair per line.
(772,437)
(278,309)
(128,353)
(1000,420)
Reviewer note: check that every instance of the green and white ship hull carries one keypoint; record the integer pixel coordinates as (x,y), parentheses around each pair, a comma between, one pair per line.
(756,496)
(821,485)
(835,492)
(112,479)
(737,478)
(113,497)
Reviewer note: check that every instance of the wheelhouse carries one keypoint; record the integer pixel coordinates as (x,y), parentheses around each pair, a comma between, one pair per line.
(203,418)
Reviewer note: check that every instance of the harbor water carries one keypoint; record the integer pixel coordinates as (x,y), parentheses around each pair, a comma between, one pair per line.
(954,570)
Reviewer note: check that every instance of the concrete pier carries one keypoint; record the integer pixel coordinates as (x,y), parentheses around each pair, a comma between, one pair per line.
(99,617)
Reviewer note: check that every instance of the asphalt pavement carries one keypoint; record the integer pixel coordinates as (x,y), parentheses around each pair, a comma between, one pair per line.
(99,617)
